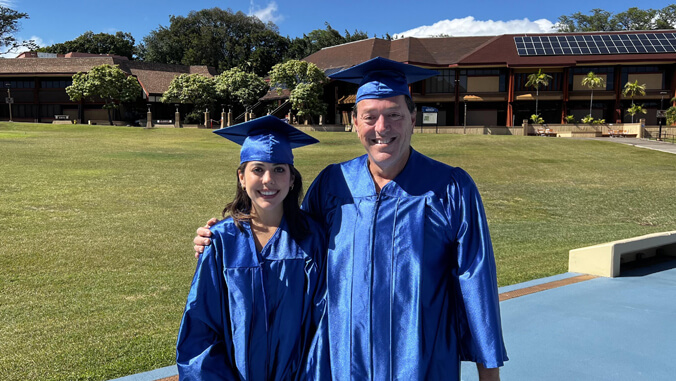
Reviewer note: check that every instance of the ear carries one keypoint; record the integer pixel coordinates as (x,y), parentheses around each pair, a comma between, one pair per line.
(240,175)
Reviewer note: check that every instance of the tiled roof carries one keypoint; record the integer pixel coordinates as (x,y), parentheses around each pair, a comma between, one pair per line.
(502,51)
(33,66)
(154,77)
(433,52)
(272,94)
(439,52)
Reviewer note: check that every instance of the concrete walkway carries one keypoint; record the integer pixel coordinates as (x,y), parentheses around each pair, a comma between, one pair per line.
(642,143)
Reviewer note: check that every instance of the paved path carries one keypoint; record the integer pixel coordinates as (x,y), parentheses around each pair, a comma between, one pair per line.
(642,143)
(601,329)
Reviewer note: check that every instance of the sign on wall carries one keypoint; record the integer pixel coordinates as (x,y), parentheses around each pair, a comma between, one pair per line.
(429,115)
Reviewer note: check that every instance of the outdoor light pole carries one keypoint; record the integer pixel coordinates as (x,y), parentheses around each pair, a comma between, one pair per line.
(464,124)
(659,132)
(9,99)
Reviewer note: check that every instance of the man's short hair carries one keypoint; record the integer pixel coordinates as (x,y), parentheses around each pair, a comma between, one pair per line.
(409,103)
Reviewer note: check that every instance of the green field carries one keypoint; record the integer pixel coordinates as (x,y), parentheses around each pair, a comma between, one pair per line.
(96,226)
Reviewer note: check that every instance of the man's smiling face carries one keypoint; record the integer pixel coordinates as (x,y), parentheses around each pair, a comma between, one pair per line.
(384,127)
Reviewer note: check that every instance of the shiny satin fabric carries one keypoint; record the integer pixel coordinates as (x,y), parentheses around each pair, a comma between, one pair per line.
(249,315)
(410,272)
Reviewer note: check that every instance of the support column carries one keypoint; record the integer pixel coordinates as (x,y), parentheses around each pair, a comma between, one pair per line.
(230,118)
(206,118)
(177,119)
(149,118)
(456,105)
(618,95)
(566,96)
(510,99)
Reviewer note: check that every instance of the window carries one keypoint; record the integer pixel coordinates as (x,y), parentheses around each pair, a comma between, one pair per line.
(56,84)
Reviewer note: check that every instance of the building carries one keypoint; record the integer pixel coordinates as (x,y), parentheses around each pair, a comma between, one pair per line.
(482,79)
(37,82)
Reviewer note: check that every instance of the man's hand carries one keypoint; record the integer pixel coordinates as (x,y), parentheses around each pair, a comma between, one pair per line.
(488,374)
(202,238)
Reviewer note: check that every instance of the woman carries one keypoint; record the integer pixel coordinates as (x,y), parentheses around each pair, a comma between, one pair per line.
(258,291)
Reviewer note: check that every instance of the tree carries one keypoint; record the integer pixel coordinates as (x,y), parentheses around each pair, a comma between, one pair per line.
(194,89)
(631,19)
(318,39)
(217,38)
(9,25)
(630,90)
(305,82)
(235,86)
(592,81)
(599,20)
(635,19)
(121,44)
(107,82)
(306,99)
(666,17)
(636,109)
(536,80)
(670,113)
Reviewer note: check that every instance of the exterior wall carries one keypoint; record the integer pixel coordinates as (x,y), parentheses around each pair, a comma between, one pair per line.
(483,84)
(651,81)
(482,117)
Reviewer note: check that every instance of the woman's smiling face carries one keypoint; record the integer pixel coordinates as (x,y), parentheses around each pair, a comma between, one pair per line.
(267,185)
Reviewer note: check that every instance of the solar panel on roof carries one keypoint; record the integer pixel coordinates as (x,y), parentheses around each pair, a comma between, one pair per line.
(634,43)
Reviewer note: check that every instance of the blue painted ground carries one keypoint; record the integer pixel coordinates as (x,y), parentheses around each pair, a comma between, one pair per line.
(601,329)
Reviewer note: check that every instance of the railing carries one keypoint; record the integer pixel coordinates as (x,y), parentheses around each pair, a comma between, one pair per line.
(240,118)
(281,109)
(669,138)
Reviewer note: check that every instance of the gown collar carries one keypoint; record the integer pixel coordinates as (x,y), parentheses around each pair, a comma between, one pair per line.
(265,251)
(361,182)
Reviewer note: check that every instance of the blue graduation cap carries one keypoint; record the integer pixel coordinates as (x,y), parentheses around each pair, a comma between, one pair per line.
(382,78)
(268,139)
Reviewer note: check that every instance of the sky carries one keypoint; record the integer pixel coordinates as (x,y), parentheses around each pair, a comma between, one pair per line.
(52,21)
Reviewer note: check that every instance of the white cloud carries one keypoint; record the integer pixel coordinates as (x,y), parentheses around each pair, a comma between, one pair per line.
(269,13)
(22,49)
(6,3)
(468,26)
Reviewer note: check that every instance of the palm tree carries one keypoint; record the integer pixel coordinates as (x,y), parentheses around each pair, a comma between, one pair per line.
(636,109)
(536,80)
(592,81)
(631,89)
(671,113)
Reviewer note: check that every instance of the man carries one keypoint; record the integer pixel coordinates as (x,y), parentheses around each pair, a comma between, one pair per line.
(411,279)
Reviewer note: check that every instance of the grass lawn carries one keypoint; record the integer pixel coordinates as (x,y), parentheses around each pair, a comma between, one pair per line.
(96,226)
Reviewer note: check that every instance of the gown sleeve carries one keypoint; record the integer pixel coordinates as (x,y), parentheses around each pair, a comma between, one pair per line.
(314,202)
(477,302)
(317,365)
(202,350)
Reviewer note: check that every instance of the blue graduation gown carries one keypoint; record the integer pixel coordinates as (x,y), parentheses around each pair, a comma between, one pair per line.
(410,272)
(249,315)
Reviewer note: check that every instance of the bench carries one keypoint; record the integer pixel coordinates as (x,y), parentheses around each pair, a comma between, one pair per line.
(605,259)
(545,132)
(620,134)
